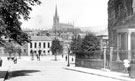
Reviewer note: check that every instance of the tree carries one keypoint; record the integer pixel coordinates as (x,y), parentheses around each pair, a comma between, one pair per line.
(90,44)
(56,47)
(86,46)
(19,51)
(48,34)
(75,45)
(11,11)
(10,48)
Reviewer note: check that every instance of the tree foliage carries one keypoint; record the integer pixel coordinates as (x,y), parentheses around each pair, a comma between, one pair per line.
(85,47)
(10,48)
(75,45)
(11,11)
(56,46)
(19,50)
(90,44)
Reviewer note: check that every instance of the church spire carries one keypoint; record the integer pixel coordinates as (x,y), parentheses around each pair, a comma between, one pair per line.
(56,13)
(56,17)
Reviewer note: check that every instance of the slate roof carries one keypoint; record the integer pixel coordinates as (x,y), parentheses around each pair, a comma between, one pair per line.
(41,38)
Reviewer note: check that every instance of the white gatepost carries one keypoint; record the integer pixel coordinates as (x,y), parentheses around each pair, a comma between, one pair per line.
(129,46)
(104,51)
(111,57)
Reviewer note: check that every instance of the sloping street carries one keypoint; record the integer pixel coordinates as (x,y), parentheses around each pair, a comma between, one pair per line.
(48,70)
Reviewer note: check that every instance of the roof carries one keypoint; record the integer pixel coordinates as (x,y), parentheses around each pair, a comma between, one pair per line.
(41,38)
(64,25)
(59,38)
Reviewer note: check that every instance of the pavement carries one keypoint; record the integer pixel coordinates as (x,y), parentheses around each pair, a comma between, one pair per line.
(97,72)
(102,72)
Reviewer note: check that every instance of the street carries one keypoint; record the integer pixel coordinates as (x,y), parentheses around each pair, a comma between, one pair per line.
(48,70)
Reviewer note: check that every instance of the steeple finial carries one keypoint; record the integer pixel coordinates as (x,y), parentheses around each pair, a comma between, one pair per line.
(56,17)
(56,13)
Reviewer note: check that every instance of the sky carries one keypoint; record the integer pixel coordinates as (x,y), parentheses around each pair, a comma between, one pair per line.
(85,14)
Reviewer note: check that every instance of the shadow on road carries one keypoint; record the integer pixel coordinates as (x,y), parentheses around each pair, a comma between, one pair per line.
(20,73)
(2,74)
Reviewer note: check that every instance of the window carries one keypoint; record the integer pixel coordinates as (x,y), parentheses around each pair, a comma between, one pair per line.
(39,44)
(48,45)
(30,45)
(44,44)
(35,44)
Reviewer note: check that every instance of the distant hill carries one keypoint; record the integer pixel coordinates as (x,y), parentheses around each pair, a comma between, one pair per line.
(92,29)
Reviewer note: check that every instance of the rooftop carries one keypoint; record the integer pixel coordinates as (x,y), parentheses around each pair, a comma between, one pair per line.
(41,38)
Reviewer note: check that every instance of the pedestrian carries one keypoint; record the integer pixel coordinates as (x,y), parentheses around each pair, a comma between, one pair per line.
(39,52)
(19,55)
(32,55)
(126,64)
(62,55)
(37,55)
(66,58)
(15,60)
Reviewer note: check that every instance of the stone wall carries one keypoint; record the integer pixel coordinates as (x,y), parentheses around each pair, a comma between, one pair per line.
(98,64)
(117,66)
(89,63)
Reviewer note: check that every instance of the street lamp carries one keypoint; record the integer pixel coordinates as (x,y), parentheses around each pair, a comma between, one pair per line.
(68,64)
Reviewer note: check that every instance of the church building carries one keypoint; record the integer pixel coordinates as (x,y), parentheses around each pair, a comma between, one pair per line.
(57,26)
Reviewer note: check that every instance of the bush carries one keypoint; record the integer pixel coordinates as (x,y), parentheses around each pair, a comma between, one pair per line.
(86,48)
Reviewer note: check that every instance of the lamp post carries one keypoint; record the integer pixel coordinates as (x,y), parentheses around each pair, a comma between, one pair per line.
(68,64)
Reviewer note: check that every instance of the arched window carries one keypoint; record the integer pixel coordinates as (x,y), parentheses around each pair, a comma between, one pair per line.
(35,45)
(30,45)
(44,44)
(39,44)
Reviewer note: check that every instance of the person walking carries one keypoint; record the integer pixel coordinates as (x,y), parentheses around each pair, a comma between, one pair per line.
(37,55)
(66,58)
(126,64)
(32,55)
(62,55)
(39,52)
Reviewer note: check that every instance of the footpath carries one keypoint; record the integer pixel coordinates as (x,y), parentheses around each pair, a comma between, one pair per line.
(4,68)
(103,73)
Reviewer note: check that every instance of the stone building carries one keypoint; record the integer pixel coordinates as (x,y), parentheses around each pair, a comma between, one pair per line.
(60,26)
(121,27)
(42,43)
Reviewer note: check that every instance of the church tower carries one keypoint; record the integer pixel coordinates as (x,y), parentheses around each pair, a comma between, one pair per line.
(56,17)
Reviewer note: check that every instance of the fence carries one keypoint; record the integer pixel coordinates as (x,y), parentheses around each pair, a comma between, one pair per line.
(108,58)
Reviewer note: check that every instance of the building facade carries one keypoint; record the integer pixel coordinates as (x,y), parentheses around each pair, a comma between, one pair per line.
(42,43)
(121,27)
